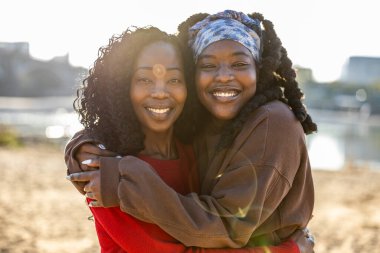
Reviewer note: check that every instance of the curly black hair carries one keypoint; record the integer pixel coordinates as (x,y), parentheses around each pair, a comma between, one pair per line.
(277,81)
(103,101)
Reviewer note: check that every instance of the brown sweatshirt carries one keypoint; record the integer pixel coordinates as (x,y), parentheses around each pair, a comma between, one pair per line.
(258,191)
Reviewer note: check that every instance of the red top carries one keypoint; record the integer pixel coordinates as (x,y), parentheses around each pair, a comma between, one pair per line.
(120,232)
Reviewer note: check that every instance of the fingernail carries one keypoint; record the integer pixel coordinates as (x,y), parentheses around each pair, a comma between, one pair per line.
(101,146)
(119,156)
(88,161)
(68,177)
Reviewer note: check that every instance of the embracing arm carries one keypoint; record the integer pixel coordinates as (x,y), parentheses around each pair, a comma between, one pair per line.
(134,236)
(226,217)
(131,234)
(242,194)
(134,239)
(71,148)
(82,147)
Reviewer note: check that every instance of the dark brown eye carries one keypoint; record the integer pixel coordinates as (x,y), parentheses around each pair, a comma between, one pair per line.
(240,64)
(207,66)
(175,81)
(144,81)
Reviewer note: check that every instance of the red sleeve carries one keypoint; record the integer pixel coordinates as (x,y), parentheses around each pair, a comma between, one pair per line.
(107,245)
(127,234)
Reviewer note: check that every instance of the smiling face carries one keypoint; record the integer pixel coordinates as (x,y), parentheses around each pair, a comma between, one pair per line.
(225,78)
(158,90)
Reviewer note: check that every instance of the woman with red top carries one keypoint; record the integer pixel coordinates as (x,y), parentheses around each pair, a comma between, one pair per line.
(133,101)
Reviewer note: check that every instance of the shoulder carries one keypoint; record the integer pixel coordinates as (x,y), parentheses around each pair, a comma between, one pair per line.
(273,137)
(271,126)
(277,116)
(274,110)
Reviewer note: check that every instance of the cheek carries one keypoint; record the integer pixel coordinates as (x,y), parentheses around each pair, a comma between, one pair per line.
(180,94)
(252,87)
(132,95)
(201,82)
(135,95)
(201,94)
(251,91)
(250,82)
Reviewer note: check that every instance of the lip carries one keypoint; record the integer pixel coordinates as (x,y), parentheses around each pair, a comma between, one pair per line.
(225,93)
(159,112)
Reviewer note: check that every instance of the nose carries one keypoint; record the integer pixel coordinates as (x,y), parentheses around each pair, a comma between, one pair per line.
(159,90)
(224,74)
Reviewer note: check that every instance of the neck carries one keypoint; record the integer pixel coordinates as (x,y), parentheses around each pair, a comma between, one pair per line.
(160,145)
(217,125)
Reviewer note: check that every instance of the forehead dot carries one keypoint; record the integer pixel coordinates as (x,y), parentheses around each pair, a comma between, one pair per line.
(159,70)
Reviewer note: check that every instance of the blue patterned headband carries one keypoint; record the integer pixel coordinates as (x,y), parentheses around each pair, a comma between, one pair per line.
(226,25)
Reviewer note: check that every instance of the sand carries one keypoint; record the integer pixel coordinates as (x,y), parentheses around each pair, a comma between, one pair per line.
(40,211)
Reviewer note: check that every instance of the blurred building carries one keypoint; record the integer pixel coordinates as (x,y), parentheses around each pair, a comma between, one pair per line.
(304,75)
(362,70)
(23,76)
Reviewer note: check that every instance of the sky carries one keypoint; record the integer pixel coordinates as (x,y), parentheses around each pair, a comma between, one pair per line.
(318,34)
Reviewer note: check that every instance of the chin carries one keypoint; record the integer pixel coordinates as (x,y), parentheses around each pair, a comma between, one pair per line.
(224,116)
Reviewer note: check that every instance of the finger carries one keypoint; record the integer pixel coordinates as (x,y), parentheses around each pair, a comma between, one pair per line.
(86,157)
(80,157)
(80,176)
(94,162)
(88,168)
(84,167)
(106,152)
(95,150)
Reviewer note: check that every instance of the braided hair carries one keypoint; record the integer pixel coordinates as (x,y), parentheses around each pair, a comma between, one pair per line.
(103,101)
(277,81)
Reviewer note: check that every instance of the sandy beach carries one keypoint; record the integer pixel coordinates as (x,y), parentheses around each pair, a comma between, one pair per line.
(40,211)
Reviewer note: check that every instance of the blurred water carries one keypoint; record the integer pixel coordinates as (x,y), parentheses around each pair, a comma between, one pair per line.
(46,117)
(344,139)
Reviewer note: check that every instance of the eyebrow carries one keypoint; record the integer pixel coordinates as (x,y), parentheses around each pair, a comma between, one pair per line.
(151,68)
(233,54)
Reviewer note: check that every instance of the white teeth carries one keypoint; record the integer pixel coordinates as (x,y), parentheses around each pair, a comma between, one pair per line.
(156,110)
(225,93)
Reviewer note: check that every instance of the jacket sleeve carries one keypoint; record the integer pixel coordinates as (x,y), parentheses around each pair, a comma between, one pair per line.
(286,247)
(219,219)
(240,198)
(70,150)
(112,186)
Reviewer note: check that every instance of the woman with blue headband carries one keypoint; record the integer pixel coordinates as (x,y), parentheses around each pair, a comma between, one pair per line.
(256,184)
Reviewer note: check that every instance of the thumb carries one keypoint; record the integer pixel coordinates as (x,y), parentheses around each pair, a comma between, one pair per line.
(94,162)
